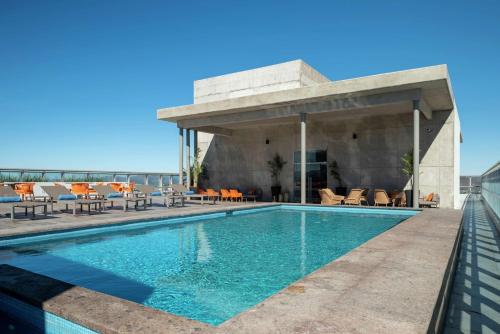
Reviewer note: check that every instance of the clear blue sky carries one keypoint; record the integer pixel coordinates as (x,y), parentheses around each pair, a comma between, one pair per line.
(80,81)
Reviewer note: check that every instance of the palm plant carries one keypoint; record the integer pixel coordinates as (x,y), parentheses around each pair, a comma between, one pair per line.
(407,169)
(197,169)
(334,171)
(276,165)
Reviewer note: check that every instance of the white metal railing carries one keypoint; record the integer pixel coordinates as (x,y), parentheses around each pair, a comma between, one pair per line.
(490,188)
(34,174)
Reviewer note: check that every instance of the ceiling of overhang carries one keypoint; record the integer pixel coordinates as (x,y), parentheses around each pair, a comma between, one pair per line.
(392,109)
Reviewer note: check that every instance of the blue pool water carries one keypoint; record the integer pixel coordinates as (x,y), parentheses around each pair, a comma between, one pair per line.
(209,268)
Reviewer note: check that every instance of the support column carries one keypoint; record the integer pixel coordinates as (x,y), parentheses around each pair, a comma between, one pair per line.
(188,157)
(181,156)
(416,152)
(195,142)
(303,165)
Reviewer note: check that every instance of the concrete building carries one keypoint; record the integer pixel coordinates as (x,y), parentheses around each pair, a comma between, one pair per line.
(241,120)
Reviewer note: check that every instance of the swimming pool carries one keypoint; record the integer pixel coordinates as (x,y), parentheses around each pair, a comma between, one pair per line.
(209,267)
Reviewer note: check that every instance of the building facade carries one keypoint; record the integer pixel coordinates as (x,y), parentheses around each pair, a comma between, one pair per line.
(241,120)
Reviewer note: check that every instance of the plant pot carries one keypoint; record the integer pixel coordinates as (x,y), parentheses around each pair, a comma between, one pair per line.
(275,191)
(409,198)
(341,191)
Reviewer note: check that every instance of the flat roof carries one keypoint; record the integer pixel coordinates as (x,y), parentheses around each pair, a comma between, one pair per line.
(432,83)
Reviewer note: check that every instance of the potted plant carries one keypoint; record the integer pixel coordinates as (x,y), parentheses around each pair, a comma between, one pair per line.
(276,165)
(197,169)
(407,170)
(340,189)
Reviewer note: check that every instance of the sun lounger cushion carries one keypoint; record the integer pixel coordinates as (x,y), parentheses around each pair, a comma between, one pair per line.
(190,192)
(66,197)
(155,193)
(115,195)
(10,199)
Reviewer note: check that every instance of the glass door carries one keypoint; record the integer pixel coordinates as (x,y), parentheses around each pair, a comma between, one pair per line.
(316,175)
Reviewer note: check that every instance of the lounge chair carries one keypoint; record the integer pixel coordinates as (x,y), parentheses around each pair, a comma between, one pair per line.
(181,189)
(61,195)
(381,198)
(109,195)
(149,192)
(354,197)
(431,200)
(10,199)
(328,197)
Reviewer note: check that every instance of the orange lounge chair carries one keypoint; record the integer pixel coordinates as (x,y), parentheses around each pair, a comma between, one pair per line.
(236,195)
(129,189)
(328,197)
(118,187)
(225,195)
(80,189)
(212,193)
(24,189)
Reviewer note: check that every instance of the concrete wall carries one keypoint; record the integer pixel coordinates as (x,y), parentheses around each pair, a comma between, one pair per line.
(292,74)
(372,160)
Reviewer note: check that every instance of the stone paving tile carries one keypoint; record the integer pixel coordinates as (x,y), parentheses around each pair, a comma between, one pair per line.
(474,305)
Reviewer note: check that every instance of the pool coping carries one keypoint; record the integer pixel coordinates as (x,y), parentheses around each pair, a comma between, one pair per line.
(330,299)
(117,221)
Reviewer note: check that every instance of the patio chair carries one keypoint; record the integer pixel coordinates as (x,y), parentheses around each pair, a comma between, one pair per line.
(213,194)
(354,197)
(225,195)
(80,189)
(24,189)
(117,187)
(328,197)
(61,195)
(236,195)
(381,198)
(11,200)
(107,194)
(129,188)
(431,200)
(400,199)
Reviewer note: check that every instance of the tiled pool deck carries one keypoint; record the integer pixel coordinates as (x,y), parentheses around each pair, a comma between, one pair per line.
(63,221)
(474,305)
(391,284)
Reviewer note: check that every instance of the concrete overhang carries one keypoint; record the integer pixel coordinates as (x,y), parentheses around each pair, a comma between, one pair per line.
(430,85)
